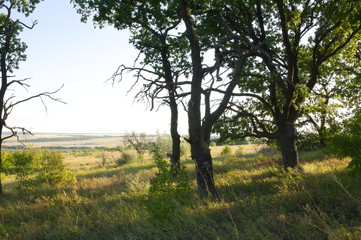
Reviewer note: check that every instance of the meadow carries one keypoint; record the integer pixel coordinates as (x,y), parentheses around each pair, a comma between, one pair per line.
(259,200)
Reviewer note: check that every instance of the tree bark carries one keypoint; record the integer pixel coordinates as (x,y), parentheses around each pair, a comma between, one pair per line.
(287,138)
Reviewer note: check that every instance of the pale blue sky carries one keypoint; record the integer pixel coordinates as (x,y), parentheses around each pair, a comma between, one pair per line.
(62,50)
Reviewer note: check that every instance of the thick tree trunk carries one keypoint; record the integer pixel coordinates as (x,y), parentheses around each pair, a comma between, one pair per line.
(204,170)
(289,150)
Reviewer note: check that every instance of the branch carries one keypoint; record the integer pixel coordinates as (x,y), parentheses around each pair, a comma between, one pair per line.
(261,99)
(43,94)
(256,123)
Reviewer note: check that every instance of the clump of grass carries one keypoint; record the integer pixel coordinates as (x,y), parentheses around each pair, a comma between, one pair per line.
(239,152)
(226,150)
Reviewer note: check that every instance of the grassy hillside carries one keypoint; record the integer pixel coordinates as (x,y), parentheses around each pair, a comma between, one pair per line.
(260,201)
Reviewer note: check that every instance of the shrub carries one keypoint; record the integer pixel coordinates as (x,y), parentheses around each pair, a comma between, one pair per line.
(33,167)
(52,168)
(226,150)
(185,149)
(346,141)
(7,163)
(128,156)
(164,144)
(169,190)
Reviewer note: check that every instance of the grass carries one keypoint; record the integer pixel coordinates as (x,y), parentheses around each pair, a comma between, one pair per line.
(260,201)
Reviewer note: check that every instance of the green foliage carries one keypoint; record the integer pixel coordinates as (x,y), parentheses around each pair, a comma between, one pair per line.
(308,141)
(33,167)
(346,141)
(164,144)
(7,163)
(128,156)
(290,181)
(226,150)
(169,191)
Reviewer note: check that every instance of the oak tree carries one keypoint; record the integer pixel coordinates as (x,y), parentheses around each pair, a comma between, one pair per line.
(293,42)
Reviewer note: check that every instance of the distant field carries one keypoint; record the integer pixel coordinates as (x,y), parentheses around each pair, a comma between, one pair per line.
(67,140)
(91,140)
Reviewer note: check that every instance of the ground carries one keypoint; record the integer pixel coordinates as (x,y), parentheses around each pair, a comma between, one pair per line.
(260,200)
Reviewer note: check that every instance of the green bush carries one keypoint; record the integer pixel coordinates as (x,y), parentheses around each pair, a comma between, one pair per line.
(226,150)
(169,191)
(7,163)
(185,149)
(33,167)
(128,156)
(164,144)
(345,141)
(52,168)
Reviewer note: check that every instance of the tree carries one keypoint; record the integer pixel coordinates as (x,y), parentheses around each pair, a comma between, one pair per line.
(206,35)
(185,26)
(293,41)
(12,52)
(137,140)
(153,25)
(334,96)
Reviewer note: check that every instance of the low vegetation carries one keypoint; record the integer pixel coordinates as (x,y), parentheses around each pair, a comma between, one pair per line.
(141,200)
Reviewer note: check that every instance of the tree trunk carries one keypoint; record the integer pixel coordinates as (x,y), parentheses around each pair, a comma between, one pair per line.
(175,158)
(201,155)
(289,150)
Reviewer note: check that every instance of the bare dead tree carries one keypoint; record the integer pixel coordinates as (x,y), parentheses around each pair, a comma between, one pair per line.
(137,140)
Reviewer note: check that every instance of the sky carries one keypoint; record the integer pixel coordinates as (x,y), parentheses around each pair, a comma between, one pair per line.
(63,50)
